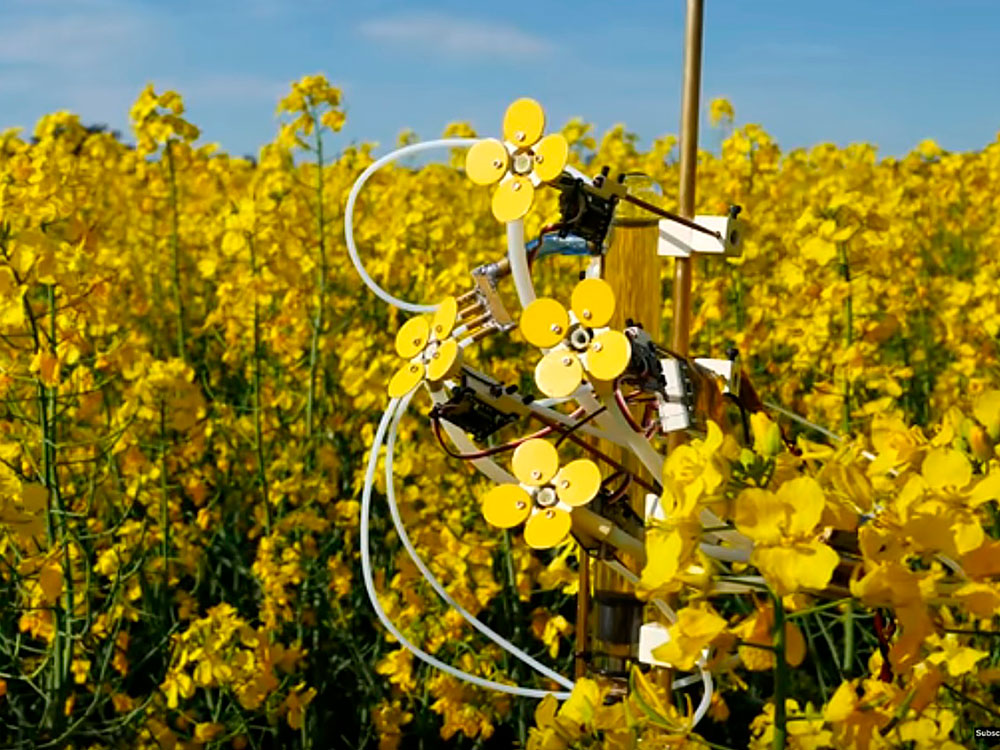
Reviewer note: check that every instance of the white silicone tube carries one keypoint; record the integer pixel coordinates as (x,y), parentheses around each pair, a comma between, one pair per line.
(352,248)
(517,254)
(429,576)
(369,582)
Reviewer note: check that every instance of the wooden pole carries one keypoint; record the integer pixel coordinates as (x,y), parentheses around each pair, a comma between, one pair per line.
(680,340)
(631,267)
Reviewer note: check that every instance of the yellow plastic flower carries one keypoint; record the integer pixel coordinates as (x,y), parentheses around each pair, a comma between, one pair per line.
(520,163)
(545,496)
(578,341)
(783,527)
(430,350)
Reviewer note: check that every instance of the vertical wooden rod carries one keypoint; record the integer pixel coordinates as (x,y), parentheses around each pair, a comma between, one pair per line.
(690,110)
(680,340)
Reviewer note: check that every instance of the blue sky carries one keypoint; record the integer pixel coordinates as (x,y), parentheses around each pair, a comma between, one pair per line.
(883,71)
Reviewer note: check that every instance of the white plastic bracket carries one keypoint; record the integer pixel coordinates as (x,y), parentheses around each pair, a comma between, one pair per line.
(679,241)
(652,635)
(724,369)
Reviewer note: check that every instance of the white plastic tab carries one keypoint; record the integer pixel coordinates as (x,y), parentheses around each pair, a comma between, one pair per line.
(673,410)
(654,508)
(724,369)
(672,373)
(652,635)
(679,241)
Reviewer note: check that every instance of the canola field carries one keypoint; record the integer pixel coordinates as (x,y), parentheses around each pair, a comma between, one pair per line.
(190,377)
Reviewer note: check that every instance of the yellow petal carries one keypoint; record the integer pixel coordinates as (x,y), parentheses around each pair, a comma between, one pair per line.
(406,379)
(512,199)
(444,319)
(523,122)
(987,411)
(559,373)
(804,501)
(412,337)
(760,515)
(968,535)
(593,302)
(795,645)
(547,528)
(987,489)
(842,704)
(820,250)
(578,482)
(35,497)
(544,322)
(551,154)
(50,578)
(444,361)
(608,355)
(791,568)
(506,506)
(535,462)
(487,161)
(944,467)
(664,552)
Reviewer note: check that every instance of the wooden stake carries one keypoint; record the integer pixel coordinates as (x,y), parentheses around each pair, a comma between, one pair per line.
(681,335)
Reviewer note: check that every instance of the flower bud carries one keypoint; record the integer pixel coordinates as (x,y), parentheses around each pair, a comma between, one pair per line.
(766,434)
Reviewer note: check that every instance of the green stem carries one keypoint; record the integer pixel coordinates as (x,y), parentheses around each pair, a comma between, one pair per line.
(52,481)
(845,273)
(258,427)
(780,676)
(164,509)
(737,280)
(321,294)
(817,608)
(814,653)
(508,559)
(175,252)
(848,660)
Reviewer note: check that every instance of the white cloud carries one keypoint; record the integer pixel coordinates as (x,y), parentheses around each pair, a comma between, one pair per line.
(71,36)
(456,37)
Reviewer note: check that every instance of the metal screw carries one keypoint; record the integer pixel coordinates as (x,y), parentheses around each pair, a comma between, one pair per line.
(520,505)
(497,164)
(414,368)
(587,315)
(567,361)
(550,514)
(556,328)
(564,483)
(516,186)
(536,474)
(539,158)
(416,342)
(597,346)
(436,355)
(519,136)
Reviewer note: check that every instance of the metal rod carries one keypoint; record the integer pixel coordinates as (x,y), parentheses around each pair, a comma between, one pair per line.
(681,334)
(671,216)
(582,612)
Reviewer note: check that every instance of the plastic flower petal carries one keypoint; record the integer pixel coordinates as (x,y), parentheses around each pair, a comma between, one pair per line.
(578,342)
(520,163)
(427,344)
(545,496)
